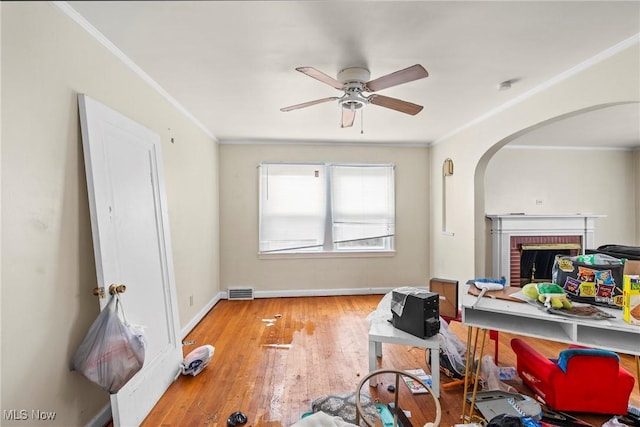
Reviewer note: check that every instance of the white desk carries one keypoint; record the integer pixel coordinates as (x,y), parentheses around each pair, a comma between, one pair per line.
(522,318)
(383,331)
(526,319)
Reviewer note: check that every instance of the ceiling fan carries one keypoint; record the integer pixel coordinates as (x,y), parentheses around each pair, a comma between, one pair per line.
(354,81)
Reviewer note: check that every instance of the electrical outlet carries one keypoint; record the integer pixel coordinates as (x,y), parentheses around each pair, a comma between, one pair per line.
(538,201)
(190,300)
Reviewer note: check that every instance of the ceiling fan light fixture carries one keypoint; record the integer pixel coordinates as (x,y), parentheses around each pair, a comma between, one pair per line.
(353,101)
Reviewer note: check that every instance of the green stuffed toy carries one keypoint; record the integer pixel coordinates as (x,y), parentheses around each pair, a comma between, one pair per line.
(550,294)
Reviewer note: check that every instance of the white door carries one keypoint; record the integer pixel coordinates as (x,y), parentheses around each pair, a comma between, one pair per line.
(131,242)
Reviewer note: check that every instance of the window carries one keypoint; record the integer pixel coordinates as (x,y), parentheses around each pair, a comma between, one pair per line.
(314,208)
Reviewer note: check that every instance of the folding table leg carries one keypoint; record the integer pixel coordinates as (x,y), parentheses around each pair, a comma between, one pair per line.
(468,373)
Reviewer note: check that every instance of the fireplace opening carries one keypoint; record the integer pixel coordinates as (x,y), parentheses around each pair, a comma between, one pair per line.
(536,260)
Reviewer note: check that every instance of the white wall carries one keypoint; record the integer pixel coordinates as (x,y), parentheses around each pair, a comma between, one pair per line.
(48,267)
(636,186)
(567,181)
(613,79)
(240,265)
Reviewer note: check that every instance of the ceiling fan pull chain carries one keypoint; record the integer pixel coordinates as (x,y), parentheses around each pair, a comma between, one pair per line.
(361,121)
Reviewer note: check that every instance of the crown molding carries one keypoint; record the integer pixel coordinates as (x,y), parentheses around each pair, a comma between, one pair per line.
(68,10)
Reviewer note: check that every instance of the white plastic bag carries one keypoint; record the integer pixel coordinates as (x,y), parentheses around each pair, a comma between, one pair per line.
(197,360)
(452,352)
(453,349)
(113,351)
(491,376)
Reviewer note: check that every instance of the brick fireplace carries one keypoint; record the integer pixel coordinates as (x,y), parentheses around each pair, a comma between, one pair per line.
(514,234)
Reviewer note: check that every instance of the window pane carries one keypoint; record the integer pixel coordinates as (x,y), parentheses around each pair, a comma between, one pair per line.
(363,206)
(376,243)
(292,207)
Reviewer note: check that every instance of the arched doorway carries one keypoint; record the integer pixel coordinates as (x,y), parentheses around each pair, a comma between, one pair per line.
(543,156)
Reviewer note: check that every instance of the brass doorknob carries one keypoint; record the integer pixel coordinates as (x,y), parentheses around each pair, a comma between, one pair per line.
(117,288)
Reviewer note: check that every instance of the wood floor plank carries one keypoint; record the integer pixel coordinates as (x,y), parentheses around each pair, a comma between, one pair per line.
(274,356)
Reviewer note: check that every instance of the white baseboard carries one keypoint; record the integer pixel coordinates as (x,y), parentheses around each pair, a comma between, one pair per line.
(318,292)
(200,315)
(102,418)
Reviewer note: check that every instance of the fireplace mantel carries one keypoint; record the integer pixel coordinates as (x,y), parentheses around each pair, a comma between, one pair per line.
(506,226)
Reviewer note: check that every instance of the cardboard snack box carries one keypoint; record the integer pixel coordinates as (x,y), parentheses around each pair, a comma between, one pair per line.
(632,267)
(631,299)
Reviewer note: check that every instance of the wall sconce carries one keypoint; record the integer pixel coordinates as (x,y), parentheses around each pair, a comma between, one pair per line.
(447,167)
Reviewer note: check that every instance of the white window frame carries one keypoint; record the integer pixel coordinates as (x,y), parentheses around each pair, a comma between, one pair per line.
(325,246)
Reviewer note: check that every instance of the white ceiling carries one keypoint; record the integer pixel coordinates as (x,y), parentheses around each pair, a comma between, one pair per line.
(231,64)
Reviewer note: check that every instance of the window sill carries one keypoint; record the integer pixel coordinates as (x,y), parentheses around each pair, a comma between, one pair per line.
(336,254)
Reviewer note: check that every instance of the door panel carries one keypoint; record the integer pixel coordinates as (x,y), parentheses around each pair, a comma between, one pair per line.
(131,243)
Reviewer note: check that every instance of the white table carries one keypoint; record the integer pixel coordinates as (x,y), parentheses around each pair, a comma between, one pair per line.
(383,331)
(522,318)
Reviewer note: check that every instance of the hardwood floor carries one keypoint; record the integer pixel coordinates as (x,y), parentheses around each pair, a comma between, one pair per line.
(273,357)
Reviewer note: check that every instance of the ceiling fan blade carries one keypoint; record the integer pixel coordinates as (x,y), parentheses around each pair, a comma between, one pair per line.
(348,116)
(309,104)
(395,104)
(410,74)
(319,75)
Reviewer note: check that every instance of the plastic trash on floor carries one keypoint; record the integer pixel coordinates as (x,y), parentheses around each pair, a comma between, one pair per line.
(197,360)
(491,376)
